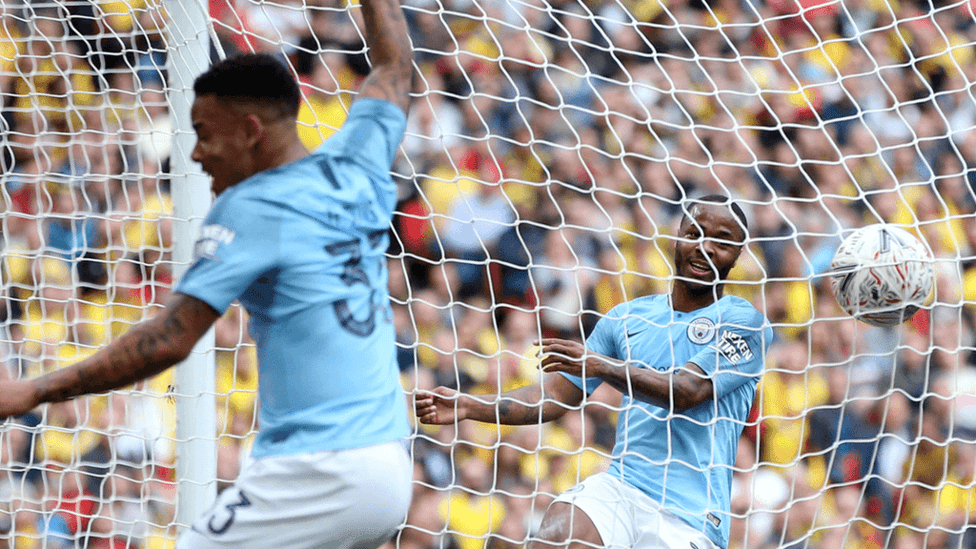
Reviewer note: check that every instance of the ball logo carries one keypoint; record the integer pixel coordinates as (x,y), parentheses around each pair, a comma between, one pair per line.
(701,330)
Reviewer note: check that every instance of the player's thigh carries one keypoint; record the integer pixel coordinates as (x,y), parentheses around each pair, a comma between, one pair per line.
(350,499)
(591,514)
(602,511)
(566,526)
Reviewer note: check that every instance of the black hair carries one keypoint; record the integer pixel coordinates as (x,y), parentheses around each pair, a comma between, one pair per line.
(254,77)
(719,199)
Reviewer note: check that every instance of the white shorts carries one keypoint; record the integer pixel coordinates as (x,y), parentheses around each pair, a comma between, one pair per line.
(627,518)
(344,499)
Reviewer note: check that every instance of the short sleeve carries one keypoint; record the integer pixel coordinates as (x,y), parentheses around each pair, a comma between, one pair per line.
(371,134)
(601,341)
(738,353)
(239,242)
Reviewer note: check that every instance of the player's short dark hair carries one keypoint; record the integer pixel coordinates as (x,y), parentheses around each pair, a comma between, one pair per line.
(252,77)
(719,199)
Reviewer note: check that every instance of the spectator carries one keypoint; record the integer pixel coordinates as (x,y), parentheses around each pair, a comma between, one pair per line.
(759,496)
(563,281)
(472,230)
(67,229)
(472,513)
(894,448)
(913,368)
(434,133)
(325,75)
(788,393)
(927,472)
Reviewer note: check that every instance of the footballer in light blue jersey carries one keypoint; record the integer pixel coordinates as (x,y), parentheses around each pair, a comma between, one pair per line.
(687,364)
(299,238)
(302,247)
(684,460)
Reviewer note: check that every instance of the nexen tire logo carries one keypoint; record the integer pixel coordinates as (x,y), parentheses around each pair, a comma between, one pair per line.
(734,347)
(212,236)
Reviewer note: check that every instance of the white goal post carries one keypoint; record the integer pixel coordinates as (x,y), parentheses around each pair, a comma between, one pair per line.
(189,31)
(549,147)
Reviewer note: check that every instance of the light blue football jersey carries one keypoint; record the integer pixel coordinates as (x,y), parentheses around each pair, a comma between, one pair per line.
(302,247)
(685,461)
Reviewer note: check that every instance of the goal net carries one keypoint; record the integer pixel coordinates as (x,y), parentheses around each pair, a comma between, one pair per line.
(548,150)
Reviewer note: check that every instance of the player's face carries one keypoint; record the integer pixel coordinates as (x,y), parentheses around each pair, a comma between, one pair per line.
(221,146)
(710,243)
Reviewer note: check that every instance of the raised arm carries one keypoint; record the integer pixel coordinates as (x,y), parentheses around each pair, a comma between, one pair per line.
(524,406)
(147,349)
(681,390)
(390,52)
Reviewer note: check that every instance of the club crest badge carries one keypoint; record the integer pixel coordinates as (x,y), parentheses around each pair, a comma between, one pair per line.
(701,330)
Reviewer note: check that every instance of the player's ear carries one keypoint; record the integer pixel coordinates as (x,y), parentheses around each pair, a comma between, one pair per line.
(253,130)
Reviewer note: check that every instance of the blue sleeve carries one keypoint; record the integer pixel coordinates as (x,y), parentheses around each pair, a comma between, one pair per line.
(371,134)
(601,341)
(239,242)
(739,352)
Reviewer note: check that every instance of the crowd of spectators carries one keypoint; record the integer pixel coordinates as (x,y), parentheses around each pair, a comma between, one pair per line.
(547,153)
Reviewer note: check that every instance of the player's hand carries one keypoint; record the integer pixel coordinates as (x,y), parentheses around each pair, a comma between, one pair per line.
(17,398)
(563,355)
(442,406)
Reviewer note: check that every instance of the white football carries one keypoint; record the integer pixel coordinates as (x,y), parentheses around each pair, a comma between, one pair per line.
(881,274)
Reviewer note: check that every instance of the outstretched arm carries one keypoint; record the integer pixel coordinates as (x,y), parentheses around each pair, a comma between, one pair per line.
(391,76)
(682,390)
(524,406)
(145,350)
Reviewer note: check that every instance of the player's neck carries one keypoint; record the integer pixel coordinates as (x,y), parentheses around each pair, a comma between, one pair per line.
(295,152)
(686,299)
(284,149)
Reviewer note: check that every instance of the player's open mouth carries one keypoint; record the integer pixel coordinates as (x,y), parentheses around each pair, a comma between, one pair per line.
(700,269)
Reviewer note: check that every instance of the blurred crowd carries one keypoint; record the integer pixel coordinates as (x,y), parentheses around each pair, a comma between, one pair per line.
(548,150)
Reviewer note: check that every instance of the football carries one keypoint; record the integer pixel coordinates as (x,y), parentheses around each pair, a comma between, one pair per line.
(881,274)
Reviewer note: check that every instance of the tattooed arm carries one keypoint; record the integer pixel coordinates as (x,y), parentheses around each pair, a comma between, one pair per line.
(677,391)
(145,350)
(527,405)
(390,52)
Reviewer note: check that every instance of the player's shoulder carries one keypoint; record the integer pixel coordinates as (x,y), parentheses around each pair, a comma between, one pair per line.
(254,203)
(640,306)
(735,310)
(363,111)
(277,186)
(233,202)
(238,200)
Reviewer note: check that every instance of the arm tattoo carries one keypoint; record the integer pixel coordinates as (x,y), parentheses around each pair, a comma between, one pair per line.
(516,407)
(526,406)
(678,391)
(390,51)
(145,350)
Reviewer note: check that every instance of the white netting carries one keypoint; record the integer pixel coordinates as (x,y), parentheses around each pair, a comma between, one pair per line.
(548,148)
